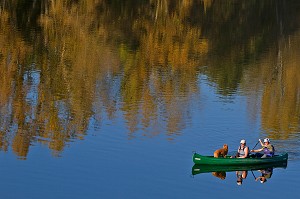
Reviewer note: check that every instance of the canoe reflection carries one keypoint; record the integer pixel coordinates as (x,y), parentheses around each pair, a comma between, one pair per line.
(241,172)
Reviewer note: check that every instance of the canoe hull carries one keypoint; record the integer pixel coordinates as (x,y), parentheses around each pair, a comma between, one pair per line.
(210,160)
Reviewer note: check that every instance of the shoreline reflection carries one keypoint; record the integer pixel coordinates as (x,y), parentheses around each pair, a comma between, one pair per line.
(65,64)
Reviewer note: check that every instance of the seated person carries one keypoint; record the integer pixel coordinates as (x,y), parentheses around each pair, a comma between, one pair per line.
(267,148)
(243,150)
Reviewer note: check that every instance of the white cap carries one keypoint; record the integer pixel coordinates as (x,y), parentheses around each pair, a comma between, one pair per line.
(263,181)
(239,183)
(266,140)
(243,141)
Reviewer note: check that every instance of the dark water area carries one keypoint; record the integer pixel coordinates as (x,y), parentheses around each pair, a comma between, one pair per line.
(109,99)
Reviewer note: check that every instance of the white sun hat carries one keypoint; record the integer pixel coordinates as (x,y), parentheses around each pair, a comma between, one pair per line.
(243,141)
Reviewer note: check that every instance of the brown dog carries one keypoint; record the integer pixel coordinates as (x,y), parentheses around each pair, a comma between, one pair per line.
(219,174)
(221,152)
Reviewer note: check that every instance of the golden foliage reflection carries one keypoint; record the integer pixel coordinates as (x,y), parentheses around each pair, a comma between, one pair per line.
(65,63)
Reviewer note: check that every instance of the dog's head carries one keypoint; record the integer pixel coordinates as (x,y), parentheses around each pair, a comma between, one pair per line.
(225,146)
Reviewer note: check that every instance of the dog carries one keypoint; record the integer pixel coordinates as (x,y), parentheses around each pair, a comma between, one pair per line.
(219,174)
(221,152)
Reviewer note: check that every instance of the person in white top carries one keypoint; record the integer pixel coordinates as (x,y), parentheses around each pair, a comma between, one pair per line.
(243,150)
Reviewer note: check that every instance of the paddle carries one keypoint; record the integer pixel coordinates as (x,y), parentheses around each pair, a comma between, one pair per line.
(253,174)
(256,144)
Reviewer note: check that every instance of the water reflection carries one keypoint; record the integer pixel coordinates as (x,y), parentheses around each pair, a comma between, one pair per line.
(261,173)
(266,173)
(64,64)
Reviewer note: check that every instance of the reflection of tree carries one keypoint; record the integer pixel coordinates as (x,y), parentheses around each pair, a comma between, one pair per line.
(241,31)
(63,68)
(281,101)
(164,63)
(54,104)
(277,78)
(13,54)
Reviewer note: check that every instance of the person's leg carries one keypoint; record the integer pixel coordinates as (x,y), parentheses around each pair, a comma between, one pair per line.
(258,155)
(264,156)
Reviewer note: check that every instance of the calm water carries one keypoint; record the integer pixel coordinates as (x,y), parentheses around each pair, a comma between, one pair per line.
(108,99)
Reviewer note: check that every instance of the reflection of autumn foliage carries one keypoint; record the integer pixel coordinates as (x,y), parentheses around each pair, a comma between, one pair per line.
(281,98)
(167,39)
(12,89)
(70,61)
(165,62)
(277,77)
(49,97)
(21,143)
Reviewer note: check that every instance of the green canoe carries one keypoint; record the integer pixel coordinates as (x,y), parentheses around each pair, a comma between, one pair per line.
(197,168)
(210,160)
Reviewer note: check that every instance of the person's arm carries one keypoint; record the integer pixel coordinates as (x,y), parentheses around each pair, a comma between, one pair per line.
(244,175)
(261,143)
(246,152)
(258,150)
